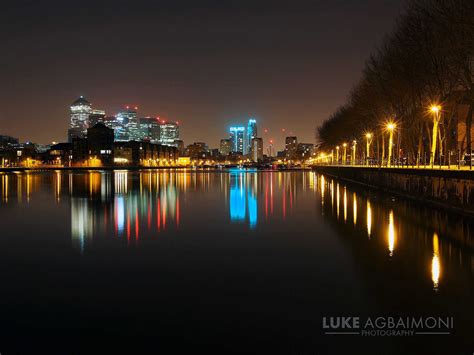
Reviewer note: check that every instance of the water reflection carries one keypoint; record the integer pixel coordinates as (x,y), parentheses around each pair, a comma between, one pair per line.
(435,263)
(390,222)
(131,207)
(391,233)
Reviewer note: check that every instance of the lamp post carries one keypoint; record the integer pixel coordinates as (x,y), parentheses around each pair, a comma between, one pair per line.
(354,145)
(391,128)
(435,110)
(368,137)
(337,155)
(344,145)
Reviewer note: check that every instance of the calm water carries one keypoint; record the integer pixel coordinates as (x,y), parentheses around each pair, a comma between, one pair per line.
(226,261)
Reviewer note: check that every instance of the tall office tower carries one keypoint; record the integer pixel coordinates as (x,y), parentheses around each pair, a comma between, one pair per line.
(97,116)
(237,139)
(134,130)
(251,133)
(149,129)
(225,147)
(122,121)
(80,112)
(169,133)
(256,149)
(291,147)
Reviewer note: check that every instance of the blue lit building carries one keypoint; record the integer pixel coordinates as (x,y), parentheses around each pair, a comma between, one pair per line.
(237,138)
(251,133)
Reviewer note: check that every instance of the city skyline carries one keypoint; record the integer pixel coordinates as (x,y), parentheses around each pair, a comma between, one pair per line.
(203,65)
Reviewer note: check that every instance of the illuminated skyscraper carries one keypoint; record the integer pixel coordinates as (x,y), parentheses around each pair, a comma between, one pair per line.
(124,120)
(149,129)
(237,139)
(251,133)
(80,112)
(169,133)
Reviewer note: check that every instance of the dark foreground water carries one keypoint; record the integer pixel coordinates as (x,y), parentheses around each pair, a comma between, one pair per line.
(150,262)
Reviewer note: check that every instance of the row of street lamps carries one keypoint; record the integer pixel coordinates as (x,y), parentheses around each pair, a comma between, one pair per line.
(390,127)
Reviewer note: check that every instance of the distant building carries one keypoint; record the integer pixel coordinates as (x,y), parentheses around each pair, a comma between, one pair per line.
(6,141)
(291,147)
(251,133)
(197,150)
(97,116)
(305,150)
(100,142)
(256,149)
(80,111)
(237,139)
(134,153)
(125,121)
(149,129)
(179,144)
(169,133)
(225,147)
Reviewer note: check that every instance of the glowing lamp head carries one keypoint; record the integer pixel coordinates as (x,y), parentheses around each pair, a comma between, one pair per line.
(344,145)
(337,147)
(390,126)
(368,135)
(435,108)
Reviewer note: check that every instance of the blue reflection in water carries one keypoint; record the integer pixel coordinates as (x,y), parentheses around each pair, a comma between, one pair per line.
(252,210)
(242,200)
(237,202)
(120,217)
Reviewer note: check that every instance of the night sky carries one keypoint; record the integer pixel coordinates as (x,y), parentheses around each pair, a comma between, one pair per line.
(208,64)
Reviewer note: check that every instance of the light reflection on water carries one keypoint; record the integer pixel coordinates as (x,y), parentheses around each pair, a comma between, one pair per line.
(131,206)
(165,247)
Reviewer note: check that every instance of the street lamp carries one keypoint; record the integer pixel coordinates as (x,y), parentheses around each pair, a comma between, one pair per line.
(368,137)
(354,145)
(435,109)
(337,155)
(390,127)
(345,154)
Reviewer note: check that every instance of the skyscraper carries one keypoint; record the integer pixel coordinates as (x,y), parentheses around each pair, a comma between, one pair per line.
(237,139)
(149,129)
(256,149)
(97,116)
(80,112)
(251,133)
(123,120)
(169,133)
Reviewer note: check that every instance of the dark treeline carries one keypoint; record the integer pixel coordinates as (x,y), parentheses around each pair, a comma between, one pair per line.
(427,59)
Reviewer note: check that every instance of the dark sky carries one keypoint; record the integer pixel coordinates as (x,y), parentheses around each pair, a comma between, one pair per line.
(205,63)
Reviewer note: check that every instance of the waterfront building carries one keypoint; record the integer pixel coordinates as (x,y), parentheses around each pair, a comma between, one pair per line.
(305,150)
(225,147)
(100,141)
(197,150)
(237,134)
(80,111)
(179,144)
(291,147)
(256,149)
(251,133)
